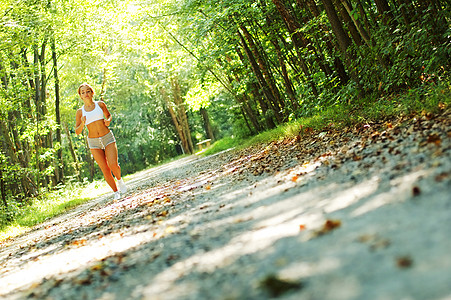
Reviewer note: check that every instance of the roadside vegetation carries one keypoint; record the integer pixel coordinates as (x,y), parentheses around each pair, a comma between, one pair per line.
(430,99)
(174,73)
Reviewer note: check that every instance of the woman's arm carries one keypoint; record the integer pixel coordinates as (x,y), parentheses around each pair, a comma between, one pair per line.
(79,122)
(107,114)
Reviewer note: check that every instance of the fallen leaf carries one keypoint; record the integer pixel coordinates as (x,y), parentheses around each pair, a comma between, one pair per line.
(416,191)
(79,243)
(434,139)
(442,176)
(327,227)
(164,213)
(277,287)
(97,267)
(404,262)
(331,225)
(172,257)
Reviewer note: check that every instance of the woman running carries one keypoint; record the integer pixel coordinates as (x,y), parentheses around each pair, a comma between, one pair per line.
(101,141)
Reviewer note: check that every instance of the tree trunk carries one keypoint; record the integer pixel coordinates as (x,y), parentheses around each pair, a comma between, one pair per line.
(338,64)
(289,87)
(13,121)
(260,78)
(384,11)
(175,121)
(243,101)
(267,79)
(72,152)
(59,175)
(89,158)
(181,113)
(349,24)
(298,41)
(255,87)
(27,185)
(2,189)
(363,15)
(269,120)
(37,100)
(406,12)
(207,124)
(343,39)
(360,28)
(246,108)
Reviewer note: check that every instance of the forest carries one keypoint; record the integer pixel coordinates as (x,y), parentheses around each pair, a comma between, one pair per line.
(176,72)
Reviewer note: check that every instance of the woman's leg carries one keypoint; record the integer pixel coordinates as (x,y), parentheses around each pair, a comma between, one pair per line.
(100,157)
(111,158)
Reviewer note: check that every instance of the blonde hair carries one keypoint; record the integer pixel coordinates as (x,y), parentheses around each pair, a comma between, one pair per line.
(85,84)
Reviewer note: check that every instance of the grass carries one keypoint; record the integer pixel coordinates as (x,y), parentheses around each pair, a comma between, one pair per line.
(50,205)
(373,108)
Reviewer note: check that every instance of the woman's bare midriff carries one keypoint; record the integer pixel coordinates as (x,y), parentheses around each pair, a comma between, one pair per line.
(97,129)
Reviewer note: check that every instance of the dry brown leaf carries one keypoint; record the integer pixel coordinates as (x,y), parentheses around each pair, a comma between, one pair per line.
(331,224)
(327,227)
(164,213)
(404,262)
(276,286)
(434,139)
(97,267)
(442,176)
(79,243)
(416,191)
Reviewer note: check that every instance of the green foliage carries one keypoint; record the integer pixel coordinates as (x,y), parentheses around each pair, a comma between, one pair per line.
(425,99)
(17,217)
(132,51)
(407,57)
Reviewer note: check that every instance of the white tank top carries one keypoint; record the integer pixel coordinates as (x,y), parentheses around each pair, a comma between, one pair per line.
(93,115)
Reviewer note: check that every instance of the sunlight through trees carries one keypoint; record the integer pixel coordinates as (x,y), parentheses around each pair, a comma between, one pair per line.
(174,73)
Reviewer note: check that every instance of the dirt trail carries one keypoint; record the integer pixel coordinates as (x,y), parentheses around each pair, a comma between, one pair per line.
(362,213)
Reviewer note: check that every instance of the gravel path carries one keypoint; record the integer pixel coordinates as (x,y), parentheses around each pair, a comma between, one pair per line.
(362,213)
